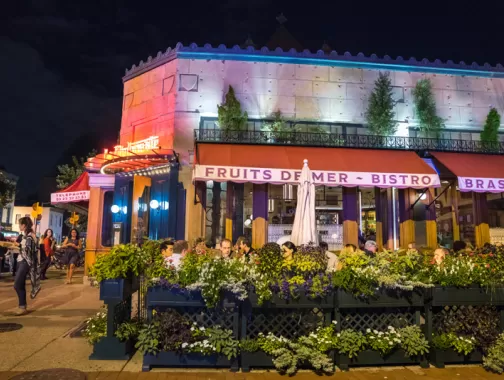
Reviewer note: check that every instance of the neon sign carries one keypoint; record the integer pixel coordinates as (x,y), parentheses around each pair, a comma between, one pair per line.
(138,146)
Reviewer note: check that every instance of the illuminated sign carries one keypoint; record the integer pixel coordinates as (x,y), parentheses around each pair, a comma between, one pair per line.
(138,146)
(72,196)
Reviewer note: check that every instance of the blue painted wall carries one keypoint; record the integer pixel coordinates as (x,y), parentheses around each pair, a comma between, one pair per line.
(123,197)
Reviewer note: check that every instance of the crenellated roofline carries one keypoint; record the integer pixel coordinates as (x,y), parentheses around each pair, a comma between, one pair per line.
(306,57)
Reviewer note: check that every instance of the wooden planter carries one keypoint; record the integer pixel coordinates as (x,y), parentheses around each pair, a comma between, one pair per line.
(118,289)
(303,302)
(173,359)
(374,358)
(160,296)
(439,358)
(383,298)
(473,295)
(111,348)
(257,359)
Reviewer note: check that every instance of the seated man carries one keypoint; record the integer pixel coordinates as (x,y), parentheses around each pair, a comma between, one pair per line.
(180,248)
(439,255)
(370,248)
(225,248)
(166,248)
(246,250)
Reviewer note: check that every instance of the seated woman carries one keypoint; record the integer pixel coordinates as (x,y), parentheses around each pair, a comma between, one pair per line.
(439,255)
(288,250)
(333,263)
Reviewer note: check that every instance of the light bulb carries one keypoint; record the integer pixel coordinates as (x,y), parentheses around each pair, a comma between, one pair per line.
(154,204)
(115,209)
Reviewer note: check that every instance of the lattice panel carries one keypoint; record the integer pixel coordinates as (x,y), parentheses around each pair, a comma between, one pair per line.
(439,315)
(122,312)
(287,323)
(364,319)
(205,317)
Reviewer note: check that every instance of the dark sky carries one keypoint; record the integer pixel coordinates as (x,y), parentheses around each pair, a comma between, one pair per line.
(61,62)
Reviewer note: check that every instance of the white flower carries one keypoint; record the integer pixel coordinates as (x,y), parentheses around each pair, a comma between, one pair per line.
(335,322)
(202,329)
(184,345)
(375,331)
(192,328)
(391,343)
(368,331)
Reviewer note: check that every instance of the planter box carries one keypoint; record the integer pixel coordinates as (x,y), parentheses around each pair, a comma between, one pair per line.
(172,359)
(383,298)
(438,358)
(257,359)
(262,360)
(161,296)
(110,348)
(118,289)
(473,295)
(374,358)
(303,302)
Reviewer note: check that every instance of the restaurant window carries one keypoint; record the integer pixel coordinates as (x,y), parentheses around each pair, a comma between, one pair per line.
(107,232)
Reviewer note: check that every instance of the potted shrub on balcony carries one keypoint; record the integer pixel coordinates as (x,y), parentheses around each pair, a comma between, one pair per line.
(171,340)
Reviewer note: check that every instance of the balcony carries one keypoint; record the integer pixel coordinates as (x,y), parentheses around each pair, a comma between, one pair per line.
(418,144)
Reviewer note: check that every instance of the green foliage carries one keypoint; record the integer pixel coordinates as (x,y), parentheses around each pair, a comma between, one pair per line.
(413,341)
(425,107)
(219,275)
(309,259)
(383,341)
(190,268)
(122,261)
(270,259)
(128,330)
(482,323)
(351,342)
(490,133)
(158,269)
(96,326)
(249,345)
(230,115)
(380,113)
(7,190)
(494,360)
(148,338)
(460,344)
(223,341)
(68,174)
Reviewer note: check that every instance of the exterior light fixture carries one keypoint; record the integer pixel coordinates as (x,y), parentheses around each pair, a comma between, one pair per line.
(165,205)
(115,209)
(423,196)
(125,210)
(154,204)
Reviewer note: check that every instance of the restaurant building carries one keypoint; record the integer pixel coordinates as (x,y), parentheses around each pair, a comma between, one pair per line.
(176,174)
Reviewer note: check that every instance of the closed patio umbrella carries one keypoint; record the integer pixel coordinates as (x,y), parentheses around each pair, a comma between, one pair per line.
(304,229)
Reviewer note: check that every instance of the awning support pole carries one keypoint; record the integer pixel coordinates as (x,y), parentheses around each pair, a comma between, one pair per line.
(441,193)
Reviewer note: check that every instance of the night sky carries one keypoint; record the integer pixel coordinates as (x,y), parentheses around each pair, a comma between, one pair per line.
(61,62)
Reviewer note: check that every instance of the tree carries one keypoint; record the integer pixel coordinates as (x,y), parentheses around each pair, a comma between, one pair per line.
(231,117)
(425,105)
(7,190)
(490,132)
(68,174)
(380,113)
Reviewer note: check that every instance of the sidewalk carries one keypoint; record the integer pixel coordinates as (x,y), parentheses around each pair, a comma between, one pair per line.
(44,342)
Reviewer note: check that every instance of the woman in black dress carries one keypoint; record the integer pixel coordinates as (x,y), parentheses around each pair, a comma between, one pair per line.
(72,246)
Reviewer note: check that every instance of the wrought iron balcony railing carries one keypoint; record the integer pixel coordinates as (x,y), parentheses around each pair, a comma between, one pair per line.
(346,141)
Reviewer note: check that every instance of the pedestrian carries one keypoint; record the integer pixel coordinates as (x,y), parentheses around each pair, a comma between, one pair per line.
(27,264)
(72,246)
(46,252)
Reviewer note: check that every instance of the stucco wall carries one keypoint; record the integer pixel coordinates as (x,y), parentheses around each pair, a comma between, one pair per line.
(168,100)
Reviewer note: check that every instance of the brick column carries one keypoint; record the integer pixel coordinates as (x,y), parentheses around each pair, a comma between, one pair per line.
(430,221)
(350,216)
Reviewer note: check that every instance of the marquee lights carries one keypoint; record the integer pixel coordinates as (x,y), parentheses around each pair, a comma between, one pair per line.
(138,146)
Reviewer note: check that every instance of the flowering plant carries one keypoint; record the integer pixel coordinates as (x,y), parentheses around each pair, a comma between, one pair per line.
(383,342)
(96,326)
(461,344)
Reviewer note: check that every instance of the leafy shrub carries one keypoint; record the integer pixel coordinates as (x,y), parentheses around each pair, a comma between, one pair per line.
(128,330)
(494,360)
(122,261)
(270,259)
(96,326)
(351,342)
(413,341)
(459,344)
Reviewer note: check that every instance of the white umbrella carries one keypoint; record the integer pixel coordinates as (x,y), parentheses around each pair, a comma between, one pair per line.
(304,229)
